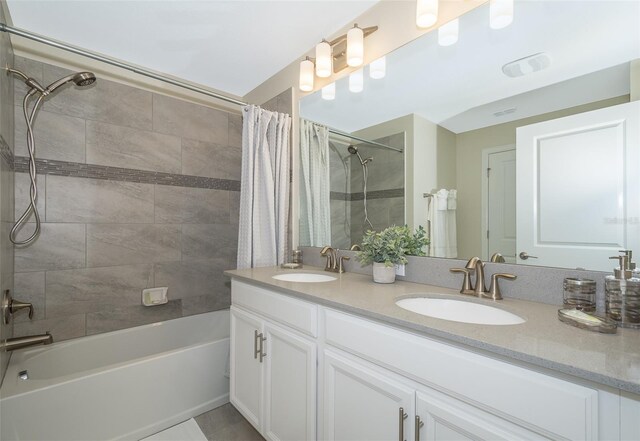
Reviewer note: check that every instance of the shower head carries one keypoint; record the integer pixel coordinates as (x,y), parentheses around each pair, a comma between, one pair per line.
(352,149)
(80,79)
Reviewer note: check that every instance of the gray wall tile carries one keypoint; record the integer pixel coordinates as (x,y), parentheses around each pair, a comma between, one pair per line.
(175,205)
(209,241)
(59,246)
(135,315)
(235,130)
(118,244)
(29,287)
(194,278)
(22,196)
(234,207)
(211,160)
(71,327)
(95,289)
(91,200)
(105,101)
(201,304)
(57,136)
(176,117)
(118,146)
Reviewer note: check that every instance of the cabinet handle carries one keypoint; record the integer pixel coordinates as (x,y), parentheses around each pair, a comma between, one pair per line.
(256,351)
(419,424)
(401,417)
(262,353)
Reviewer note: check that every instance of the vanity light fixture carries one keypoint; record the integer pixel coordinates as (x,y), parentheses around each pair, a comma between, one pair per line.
(356,81)
(329,92)
(334,56)
(426,13)
(306,75)
(448,33)
(500,13)
(324,59)
(378,68)
(355,46)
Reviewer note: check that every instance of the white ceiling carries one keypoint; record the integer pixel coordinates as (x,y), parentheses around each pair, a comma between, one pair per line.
(462,86)
(232,46)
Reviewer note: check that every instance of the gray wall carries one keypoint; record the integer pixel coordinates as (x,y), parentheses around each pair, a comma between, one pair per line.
(6,182)
(136,190)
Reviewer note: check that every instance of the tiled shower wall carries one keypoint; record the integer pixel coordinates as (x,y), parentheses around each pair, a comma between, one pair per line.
(385,190)
(6,182)
(136,190)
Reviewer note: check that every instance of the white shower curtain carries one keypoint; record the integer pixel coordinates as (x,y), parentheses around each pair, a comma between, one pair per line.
(264,196)
(315,209)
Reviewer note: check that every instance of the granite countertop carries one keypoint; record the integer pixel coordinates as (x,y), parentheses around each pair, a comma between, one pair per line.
(609,359)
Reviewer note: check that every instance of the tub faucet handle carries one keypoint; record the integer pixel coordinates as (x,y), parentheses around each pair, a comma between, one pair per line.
(17,305)
(10,306)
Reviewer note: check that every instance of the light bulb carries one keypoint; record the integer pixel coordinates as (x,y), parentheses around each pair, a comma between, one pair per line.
(448,33)
(500,13)
(329,92)
(378,68)
(355,46)
(306,75)
(356,81)
(323,59)
(426,13)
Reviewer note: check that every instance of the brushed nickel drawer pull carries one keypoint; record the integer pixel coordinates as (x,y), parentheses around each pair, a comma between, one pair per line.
(419,424)
(401,417)
(262,353)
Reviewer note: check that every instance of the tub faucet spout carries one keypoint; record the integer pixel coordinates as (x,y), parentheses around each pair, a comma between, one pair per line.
(12,344)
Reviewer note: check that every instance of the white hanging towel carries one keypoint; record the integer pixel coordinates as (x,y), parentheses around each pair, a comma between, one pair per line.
(442,226)
(452,239)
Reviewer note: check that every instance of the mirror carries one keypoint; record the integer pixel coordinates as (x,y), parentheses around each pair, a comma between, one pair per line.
(535,126)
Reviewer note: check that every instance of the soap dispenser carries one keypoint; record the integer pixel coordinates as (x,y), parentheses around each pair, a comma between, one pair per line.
(622,293)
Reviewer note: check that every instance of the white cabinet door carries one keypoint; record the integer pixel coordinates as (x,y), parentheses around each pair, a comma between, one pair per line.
(362,402)
(444,418)
(290,386)
(246,368)
(578,187)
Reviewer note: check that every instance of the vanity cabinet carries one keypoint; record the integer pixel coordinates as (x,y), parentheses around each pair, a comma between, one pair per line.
(300,371)
(273,367)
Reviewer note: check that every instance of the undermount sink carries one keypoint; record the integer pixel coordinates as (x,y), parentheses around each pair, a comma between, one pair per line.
(459,311)
(304,277)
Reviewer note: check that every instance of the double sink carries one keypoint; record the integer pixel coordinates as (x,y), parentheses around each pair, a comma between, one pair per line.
(430,305)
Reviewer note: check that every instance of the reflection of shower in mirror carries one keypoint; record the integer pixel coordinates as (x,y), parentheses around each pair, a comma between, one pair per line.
(365,175)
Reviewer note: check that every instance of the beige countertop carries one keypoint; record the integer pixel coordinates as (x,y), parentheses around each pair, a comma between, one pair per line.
(609,359)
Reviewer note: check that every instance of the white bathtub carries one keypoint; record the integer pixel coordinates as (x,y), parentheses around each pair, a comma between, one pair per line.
(125,384)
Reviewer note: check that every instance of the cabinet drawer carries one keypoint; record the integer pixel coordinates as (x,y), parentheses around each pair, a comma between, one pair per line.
(554,407)
(297,314)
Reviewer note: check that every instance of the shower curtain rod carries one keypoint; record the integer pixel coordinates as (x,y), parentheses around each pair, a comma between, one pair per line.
(357,138)
(112,61)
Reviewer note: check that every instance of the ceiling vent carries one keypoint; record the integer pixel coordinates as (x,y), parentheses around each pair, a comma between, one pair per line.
(527,65)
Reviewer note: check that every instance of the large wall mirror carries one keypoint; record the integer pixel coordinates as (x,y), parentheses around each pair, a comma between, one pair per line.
(523,141)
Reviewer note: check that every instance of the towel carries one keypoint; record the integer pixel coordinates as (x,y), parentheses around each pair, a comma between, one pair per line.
(452,200)
(441,198)
(442,226)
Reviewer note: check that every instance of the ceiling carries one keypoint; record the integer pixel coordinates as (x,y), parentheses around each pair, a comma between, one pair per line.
(462,86)
(232,46)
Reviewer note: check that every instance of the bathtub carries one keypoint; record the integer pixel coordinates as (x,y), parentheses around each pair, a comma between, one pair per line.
(125,384)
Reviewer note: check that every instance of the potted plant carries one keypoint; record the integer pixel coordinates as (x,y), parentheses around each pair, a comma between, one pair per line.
(389,247)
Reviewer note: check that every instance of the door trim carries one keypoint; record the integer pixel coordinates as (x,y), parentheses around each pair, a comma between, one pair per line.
(484,224)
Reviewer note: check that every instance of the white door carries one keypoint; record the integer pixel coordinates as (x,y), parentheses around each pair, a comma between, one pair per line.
(246,368)
(443,418)
(290,386)
(361,402)
(578,191)
(501,185)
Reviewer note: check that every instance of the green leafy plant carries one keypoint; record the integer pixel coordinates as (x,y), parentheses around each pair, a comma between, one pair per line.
(392,245)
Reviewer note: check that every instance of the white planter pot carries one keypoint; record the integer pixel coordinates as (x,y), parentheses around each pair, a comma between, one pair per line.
(383,274)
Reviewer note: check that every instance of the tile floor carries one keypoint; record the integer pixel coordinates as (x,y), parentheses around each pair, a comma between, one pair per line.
(226,424)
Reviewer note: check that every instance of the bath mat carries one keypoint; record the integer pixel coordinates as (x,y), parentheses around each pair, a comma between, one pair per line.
(187,431)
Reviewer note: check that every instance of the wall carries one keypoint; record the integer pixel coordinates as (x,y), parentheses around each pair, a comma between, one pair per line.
(6,182)
(470,174)
(136,189)
(635,80)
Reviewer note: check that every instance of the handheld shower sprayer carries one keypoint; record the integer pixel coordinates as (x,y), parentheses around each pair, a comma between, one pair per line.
(365,177)
(354,151)
(80,79)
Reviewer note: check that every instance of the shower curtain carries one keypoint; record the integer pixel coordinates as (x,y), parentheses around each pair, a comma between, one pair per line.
(264,195)
(315,209)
